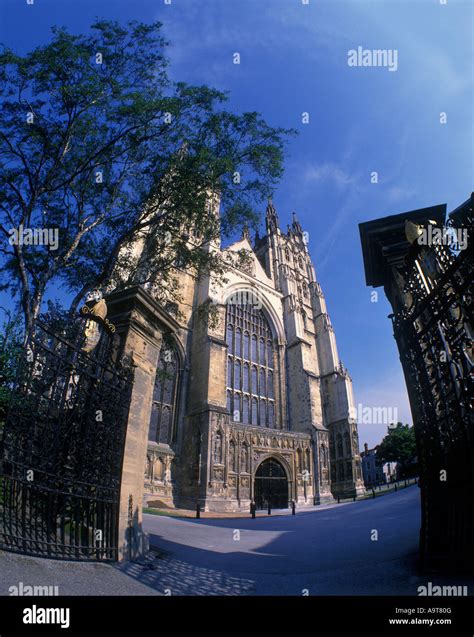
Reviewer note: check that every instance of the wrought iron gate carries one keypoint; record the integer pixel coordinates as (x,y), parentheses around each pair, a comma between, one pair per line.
(271,486)
(62,449)
(426,266)
(434,335)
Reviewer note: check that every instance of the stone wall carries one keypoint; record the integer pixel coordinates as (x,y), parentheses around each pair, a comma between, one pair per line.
(234,454)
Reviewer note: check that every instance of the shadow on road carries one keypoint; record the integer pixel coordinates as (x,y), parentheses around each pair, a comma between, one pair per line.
(330,546)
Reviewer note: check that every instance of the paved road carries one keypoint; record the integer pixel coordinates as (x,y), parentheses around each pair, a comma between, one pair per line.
(326,551)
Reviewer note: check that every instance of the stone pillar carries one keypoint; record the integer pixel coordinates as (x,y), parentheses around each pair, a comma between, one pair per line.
(140,322)
(322,487)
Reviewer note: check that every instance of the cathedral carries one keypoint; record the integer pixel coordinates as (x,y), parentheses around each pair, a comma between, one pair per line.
(255,405)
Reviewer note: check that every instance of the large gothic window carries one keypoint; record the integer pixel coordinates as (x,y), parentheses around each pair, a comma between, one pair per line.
(164,394)
(250,366)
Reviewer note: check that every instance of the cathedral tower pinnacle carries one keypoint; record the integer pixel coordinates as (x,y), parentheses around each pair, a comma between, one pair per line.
(272,221)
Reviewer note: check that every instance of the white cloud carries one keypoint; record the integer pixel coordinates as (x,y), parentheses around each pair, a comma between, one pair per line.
(329,171)
(397,194)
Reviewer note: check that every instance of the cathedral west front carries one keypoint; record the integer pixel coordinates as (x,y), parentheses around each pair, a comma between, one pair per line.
(254,405)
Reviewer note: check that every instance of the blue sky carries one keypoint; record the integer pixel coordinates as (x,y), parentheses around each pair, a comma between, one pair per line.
(294,60)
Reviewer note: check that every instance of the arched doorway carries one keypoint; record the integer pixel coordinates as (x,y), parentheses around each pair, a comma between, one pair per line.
(271,485)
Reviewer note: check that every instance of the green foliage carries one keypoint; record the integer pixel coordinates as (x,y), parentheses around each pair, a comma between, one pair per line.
(398,445)
(11,348)
(209,314)
(97,143)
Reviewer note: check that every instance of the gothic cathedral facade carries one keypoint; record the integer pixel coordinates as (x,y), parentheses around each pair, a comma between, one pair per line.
(254,405)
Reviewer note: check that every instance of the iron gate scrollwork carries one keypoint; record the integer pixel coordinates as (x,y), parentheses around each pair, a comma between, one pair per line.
(62,448)
(434,335)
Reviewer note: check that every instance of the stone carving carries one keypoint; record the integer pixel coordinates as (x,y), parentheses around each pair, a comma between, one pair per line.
(216,323)
(323,456)
(96,308)
(218,448)
(244,459)
(243,261)
(232,456)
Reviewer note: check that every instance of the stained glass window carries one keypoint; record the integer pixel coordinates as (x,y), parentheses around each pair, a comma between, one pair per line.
(248,384)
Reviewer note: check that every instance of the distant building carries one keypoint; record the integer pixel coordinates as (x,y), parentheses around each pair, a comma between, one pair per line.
(375,472)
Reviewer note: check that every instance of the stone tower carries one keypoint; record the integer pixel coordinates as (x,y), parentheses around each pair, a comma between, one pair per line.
(319,388)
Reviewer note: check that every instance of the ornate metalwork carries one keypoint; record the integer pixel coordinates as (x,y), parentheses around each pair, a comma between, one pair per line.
(62,448)
(433,330)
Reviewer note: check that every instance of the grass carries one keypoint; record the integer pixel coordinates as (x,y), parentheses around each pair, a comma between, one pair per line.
(384,491)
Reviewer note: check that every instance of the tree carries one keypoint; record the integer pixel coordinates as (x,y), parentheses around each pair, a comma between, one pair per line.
(398,446)
(10,350)
(98,146)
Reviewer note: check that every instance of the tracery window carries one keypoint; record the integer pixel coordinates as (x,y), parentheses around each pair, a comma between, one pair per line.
(246,411)
(347,444)
(164,395)
(271,413)
(299,459)
(340,450)
(250,366)
(246,386)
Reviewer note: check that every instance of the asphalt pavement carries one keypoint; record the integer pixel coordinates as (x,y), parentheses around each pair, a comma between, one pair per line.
(366,547)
